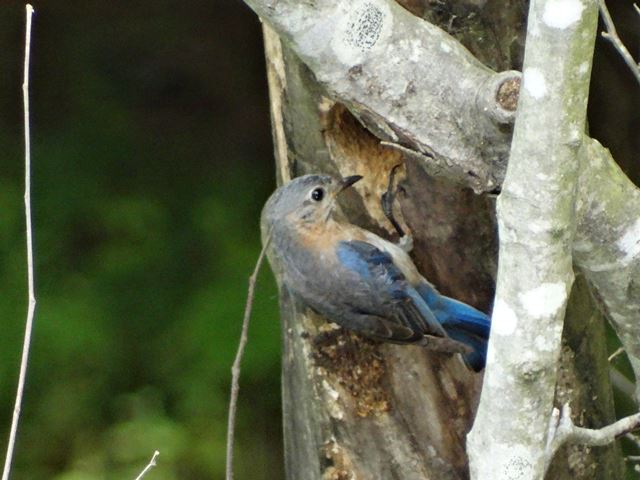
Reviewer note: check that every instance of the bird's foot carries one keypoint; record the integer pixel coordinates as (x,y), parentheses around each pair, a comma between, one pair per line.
(406,243)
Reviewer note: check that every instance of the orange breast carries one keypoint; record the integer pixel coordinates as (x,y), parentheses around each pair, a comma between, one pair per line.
(324,236)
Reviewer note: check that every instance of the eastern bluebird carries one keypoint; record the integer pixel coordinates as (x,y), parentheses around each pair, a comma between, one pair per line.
(358,279)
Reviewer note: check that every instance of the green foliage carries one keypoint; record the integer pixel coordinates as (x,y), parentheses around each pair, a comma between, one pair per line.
(149,175)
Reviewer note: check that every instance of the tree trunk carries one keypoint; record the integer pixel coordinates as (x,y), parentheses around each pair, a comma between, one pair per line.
(355,409)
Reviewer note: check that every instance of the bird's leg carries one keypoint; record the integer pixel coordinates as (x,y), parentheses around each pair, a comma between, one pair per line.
(387,202)
(406,241)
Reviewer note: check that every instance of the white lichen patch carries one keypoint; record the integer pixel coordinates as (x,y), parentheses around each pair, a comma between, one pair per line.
(534,83)
(540,226)
(504,320)
(444,46)
(508,461)
(575,135)
(361,27)
(544,300)
(583,68)
(542,342)
(416,51)
(629,243)
(562,13)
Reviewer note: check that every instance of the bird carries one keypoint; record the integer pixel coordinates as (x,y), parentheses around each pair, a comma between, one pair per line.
(357,279)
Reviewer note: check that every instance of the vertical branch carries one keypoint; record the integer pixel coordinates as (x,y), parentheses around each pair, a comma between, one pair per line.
(32,296)
(235,369)
(536,216)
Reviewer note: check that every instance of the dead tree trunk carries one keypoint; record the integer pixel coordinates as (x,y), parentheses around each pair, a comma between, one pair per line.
(355,409)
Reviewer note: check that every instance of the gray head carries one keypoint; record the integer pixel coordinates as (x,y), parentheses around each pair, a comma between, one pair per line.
(307,199)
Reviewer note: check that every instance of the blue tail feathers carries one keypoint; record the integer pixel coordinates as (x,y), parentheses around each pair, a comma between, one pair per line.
(461,322)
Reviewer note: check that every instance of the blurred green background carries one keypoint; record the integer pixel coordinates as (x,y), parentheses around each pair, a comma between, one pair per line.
(151,160)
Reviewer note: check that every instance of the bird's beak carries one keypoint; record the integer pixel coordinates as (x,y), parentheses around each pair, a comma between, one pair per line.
(346,182)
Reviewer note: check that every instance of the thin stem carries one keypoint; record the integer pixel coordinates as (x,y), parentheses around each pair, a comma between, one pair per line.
(150,465)
(32,296)
(632,438)
(562,430)
(612,35)
(235,369)
(615,354)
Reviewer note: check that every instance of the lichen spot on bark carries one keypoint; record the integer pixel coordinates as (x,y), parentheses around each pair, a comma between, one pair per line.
(353,364)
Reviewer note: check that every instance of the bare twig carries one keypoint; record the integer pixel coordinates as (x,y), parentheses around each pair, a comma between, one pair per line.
(27,208)
(632,438)
(615,354)
(620,382)
(612,35)
(562,430)
(150,465)
(235,369)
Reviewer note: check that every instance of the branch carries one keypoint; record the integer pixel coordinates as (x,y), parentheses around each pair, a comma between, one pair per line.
(536,219)
(607,243)
(235,369)
(562,430)
(621,383)
(27,208)
(150,465)
(406,80)
(633,439)
(612,35)
(615,354)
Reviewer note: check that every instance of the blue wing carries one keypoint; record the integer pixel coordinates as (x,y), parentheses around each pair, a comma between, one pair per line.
(422,309)
(388,294)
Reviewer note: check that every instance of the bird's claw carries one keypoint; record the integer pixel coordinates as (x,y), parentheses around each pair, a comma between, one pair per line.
(406,243)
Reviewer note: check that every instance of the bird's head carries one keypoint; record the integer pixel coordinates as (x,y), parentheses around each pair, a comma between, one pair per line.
(305,200)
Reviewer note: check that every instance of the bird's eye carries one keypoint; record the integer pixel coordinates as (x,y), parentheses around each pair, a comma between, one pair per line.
(317,194)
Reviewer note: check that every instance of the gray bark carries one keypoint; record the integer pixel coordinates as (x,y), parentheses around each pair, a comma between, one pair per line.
(607,243)
(536,216)
(407,80)
(455,246)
